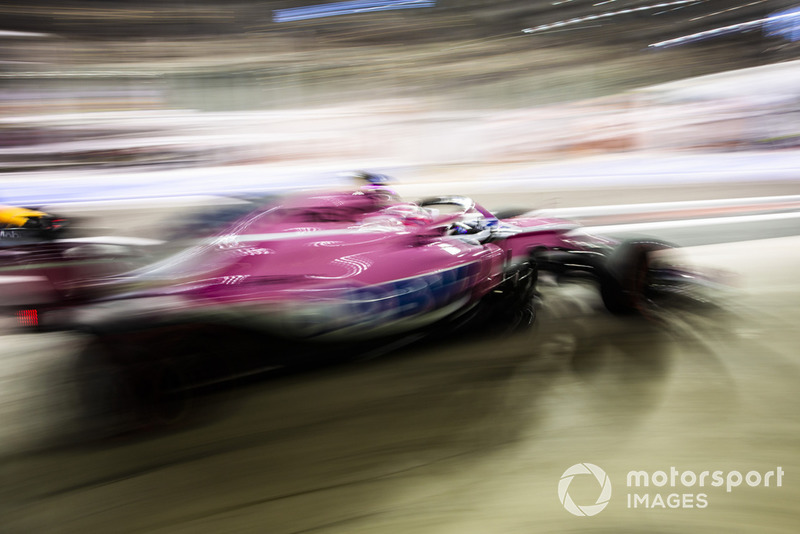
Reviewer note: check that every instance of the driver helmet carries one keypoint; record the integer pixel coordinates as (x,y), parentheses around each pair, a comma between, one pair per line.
(372,178)
(377,186)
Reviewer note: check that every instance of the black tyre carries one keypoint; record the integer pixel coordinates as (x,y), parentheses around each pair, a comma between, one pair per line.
(106,395)
(121,397)
(625,279)
(162,394)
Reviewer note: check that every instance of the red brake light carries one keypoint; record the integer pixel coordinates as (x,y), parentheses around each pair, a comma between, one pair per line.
(28,317)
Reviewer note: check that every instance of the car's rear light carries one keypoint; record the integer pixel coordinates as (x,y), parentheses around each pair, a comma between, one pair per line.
(28,317)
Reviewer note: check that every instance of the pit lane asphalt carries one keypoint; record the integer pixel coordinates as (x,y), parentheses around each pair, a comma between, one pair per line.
(471,436)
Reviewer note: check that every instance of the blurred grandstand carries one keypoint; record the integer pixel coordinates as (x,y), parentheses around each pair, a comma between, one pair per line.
(88,82)
(213,55)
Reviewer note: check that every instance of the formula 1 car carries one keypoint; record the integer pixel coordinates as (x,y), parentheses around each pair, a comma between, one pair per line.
(44,278)
(358,269)
(24,224)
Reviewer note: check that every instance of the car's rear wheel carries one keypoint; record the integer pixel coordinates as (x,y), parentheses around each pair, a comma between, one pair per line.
(106,395)
(118,397)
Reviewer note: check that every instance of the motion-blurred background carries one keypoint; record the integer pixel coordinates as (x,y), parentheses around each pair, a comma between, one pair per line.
(624,104)
(439,82)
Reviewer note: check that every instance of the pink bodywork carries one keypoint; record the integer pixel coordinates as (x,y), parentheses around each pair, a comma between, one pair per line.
(350,264)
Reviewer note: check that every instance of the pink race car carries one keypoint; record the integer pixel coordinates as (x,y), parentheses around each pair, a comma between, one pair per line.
(359,269)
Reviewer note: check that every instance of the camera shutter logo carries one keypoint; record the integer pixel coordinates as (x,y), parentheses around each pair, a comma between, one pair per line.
(584,469)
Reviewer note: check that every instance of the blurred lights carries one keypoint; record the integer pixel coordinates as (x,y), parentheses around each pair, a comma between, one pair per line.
(10,33)
(609,14)
(346,8)
(28,318)
(785,23)
(727,10)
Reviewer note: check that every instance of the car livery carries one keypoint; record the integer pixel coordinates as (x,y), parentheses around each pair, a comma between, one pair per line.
(356,268)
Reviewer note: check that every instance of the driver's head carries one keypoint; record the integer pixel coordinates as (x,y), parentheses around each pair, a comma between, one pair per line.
(372,178)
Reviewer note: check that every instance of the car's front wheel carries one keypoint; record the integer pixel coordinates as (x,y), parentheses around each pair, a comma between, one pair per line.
(626,278)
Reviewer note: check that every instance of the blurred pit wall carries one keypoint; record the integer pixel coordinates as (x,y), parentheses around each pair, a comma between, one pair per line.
(755,108)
